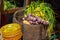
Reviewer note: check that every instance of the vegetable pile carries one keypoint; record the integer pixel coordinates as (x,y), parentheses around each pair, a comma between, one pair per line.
(8,5)
(43,11)
(35,20)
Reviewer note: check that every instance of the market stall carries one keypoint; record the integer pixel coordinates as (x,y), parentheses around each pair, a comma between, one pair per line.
(29,20)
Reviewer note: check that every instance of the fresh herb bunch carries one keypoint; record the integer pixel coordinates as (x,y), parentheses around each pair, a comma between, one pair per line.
(42,10)
(8,5)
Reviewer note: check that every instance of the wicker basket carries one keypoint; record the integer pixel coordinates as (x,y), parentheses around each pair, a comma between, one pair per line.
(11,10)
(11,34)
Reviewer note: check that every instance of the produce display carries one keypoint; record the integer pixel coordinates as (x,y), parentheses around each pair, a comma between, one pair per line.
(41,10)
(35,13)
(8,5)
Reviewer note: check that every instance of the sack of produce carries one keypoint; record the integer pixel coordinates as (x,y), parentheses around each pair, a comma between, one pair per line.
(44,12)
(32,32)
(33,28)
(11,31)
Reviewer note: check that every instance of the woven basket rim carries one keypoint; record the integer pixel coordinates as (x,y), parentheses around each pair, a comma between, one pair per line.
(14,15)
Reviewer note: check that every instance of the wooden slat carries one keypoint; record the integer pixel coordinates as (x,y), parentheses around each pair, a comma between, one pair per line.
(2,15)
(0,9)
(27,2)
